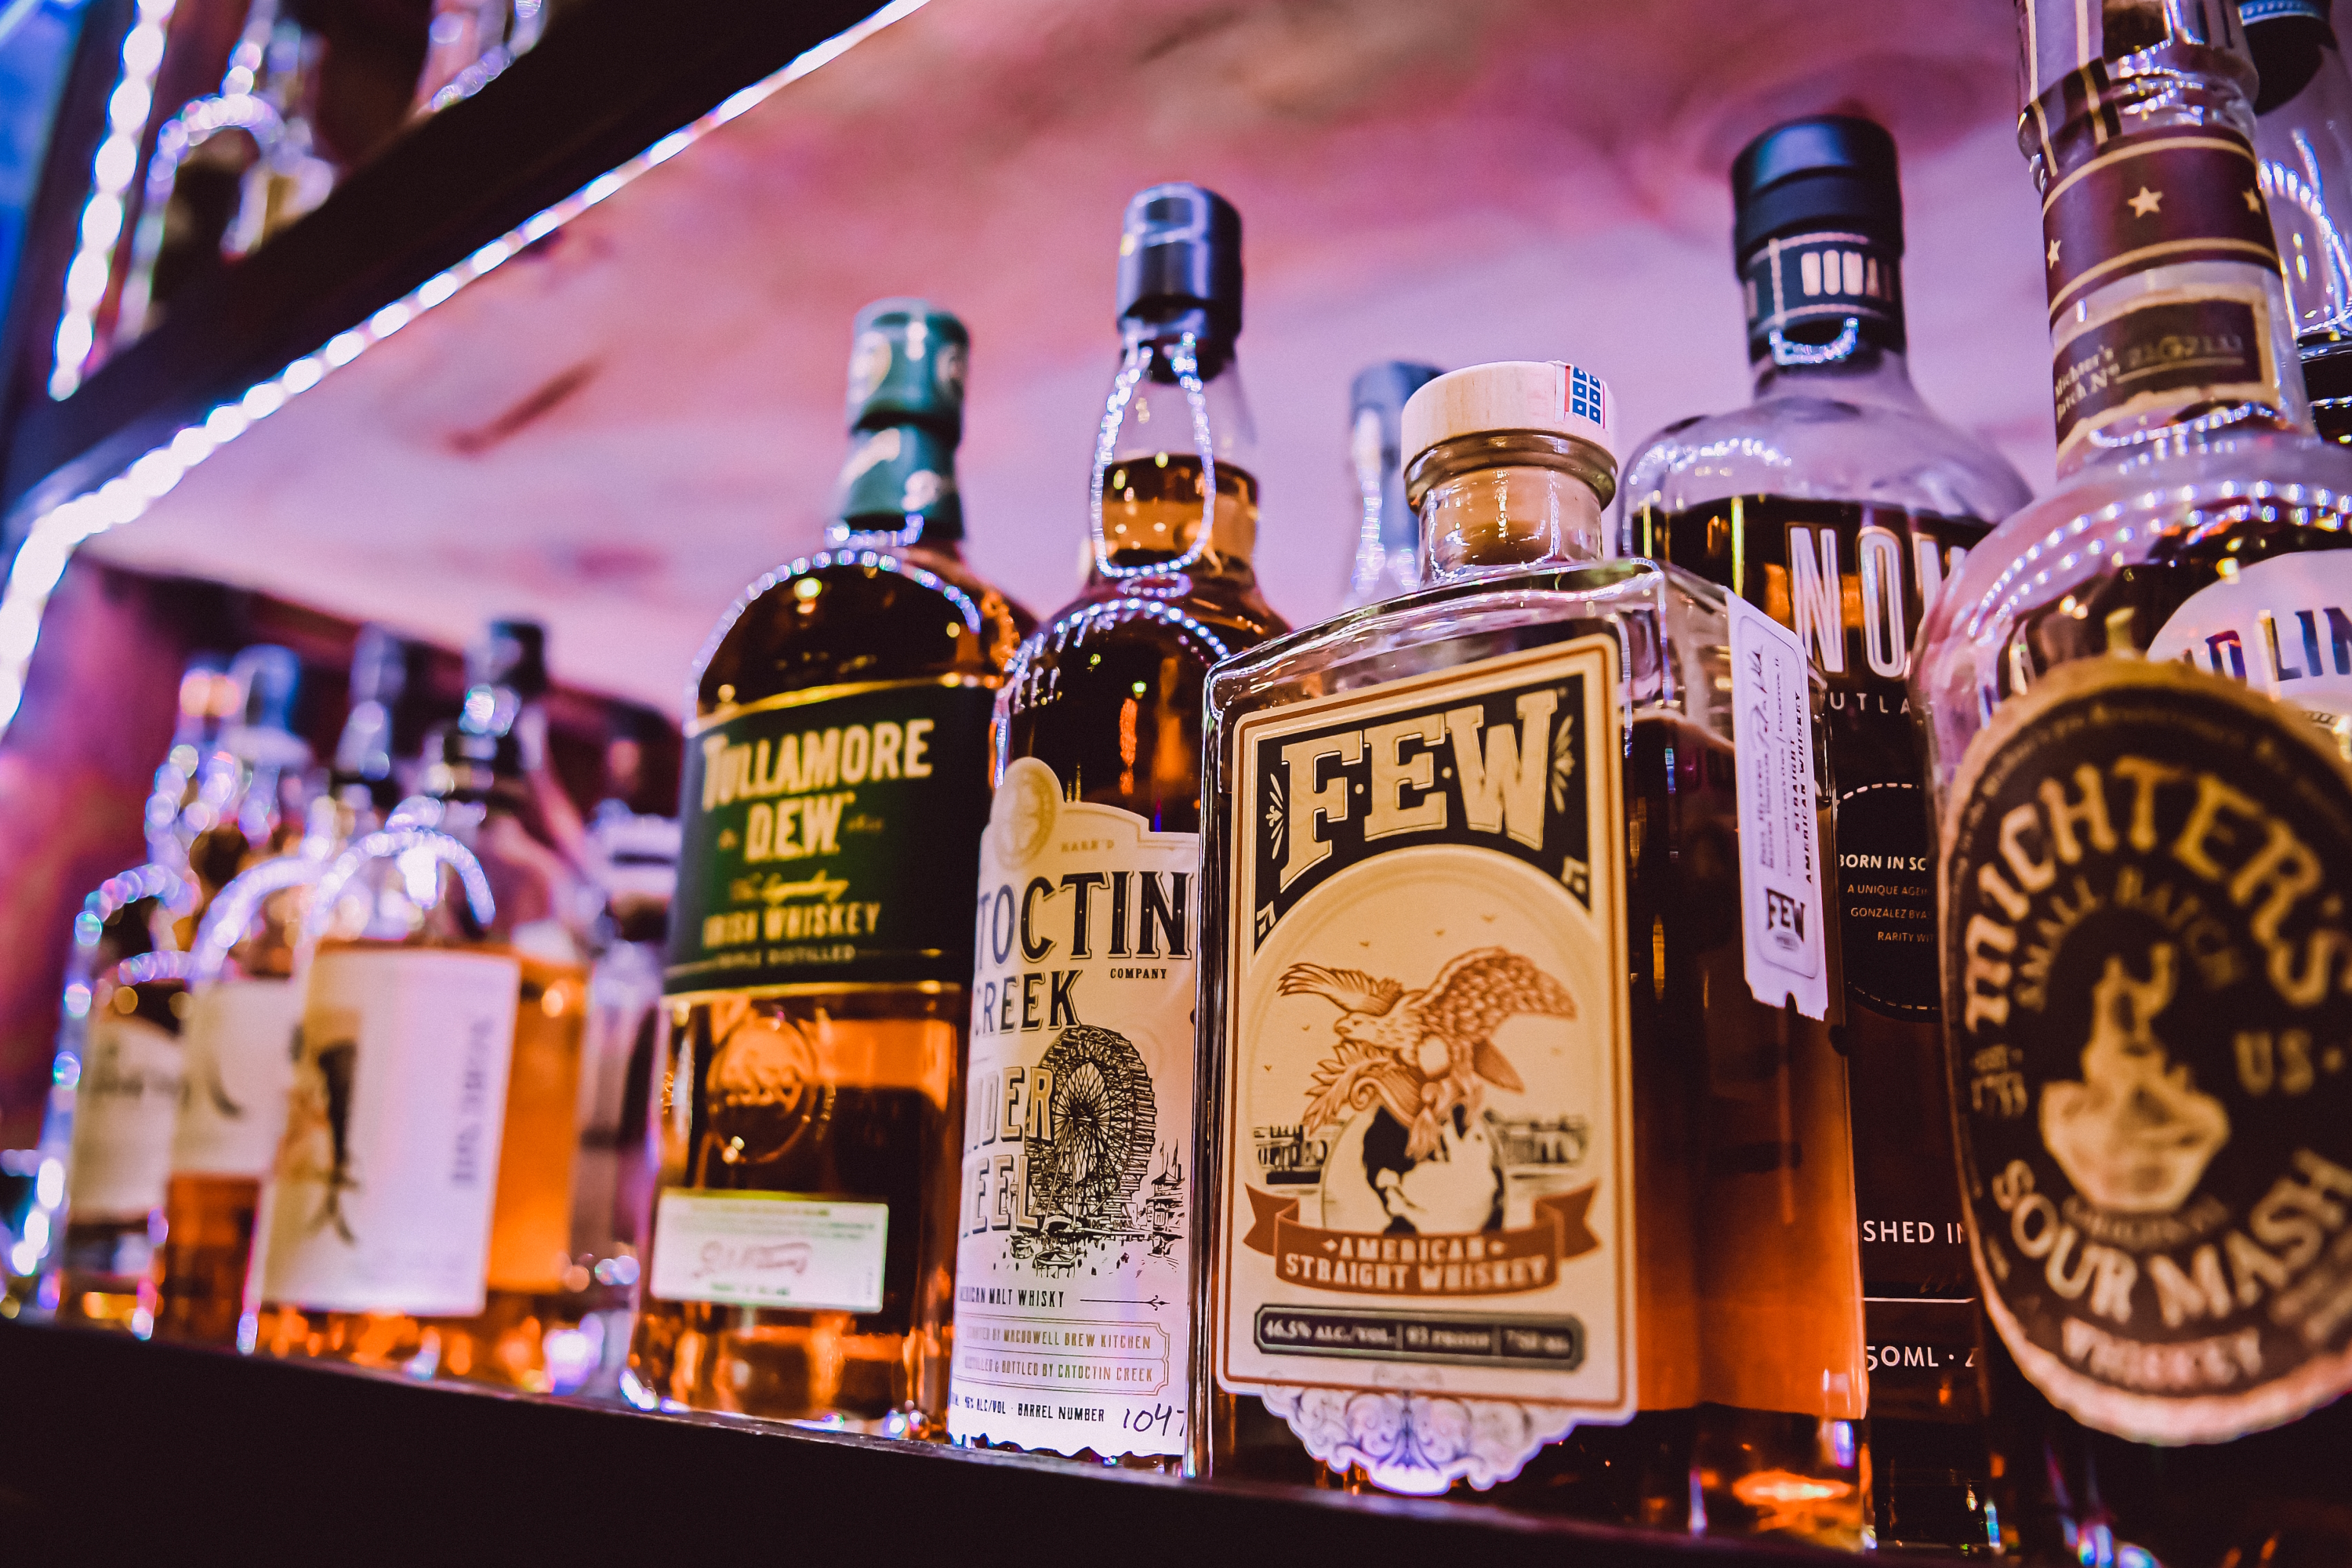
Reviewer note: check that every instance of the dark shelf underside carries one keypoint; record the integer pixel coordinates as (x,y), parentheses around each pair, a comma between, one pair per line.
(115,1447)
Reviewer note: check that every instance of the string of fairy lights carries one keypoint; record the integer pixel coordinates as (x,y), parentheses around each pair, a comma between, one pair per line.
(59,530)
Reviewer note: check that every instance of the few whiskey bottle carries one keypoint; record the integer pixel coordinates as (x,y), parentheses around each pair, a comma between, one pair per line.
(1519,1187)
(1079,1131)
(2137,695)
(1387,541)
(1837,503)
(2302,135)
(835,790)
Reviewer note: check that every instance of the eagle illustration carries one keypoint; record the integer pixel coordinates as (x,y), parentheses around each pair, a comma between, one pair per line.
(1384,1029)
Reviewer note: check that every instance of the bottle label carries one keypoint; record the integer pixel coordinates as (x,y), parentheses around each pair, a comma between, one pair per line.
(2149,978)
(239,1040)
(769,1249)
(1427,1208)
(1781,852)
(819,831)
(390,1163)
(1074,1270)
(1827,277)
(2149,200)
(123,1109)
(2282,626)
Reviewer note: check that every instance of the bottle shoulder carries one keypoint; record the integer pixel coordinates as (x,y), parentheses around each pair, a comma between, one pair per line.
(1826,448)
(1665,621)
(854,615)
(1203,619)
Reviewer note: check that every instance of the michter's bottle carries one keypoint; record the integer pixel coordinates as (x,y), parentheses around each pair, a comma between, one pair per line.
(2137,694)
(1387,543)
(1838,505)
(803,1239)
(1519,1188)
(2302,133)
(1078,1184)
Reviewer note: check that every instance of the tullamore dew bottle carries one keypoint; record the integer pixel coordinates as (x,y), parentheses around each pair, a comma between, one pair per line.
(803,1240)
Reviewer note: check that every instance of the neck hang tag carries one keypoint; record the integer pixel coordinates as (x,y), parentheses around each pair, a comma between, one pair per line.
(1781,848)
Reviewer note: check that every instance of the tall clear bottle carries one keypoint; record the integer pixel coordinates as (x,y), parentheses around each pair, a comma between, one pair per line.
(1079,1135)
(803,1247)
(2303,134)
(1387,541)
(243,1010)
(2136,695)
(1836,503)
(235,806)
(1507,1197)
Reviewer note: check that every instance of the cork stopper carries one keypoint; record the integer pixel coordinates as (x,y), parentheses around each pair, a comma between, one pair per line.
(1546,397)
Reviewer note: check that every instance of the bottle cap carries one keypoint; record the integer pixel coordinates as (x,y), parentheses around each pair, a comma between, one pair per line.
(1180,248)
(1825,172)
(1542,396)
(2288,40)
(906,361)
(512,654)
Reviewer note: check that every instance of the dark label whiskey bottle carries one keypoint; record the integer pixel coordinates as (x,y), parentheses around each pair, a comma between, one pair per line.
(1838,504)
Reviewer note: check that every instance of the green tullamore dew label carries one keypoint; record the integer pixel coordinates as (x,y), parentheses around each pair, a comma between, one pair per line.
(824,833)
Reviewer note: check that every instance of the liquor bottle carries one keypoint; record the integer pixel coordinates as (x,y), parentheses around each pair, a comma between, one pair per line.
(1509,1198)
(2302,135)
(240,1038)
(118,920)
(229,170)
(477,793)
(1836,503)
(635,857)
(1387,543)
(1080,1132)
(129,1072)
(377,1218)
(2135,699)
(803,1240)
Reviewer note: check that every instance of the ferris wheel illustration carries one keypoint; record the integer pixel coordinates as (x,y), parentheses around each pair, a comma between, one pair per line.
(1105,1121)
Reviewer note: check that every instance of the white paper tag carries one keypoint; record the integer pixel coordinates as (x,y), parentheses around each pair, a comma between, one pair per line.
(1780,826)
(123,1109)
(389,1168)
(240,1038)
(769,1249)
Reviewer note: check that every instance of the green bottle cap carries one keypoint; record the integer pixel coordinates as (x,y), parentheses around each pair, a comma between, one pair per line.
(906,414)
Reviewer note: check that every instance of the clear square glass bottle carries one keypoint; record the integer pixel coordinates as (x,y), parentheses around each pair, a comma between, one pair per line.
(1515,1189)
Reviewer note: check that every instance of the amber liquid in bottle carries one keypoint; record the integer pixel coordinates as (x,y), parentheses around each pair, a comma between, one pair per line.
(863,1105)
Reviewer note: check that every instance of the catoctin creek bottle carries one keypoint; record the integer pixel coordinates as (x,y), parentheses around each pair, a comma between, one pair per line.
(1837,503)
(1518,1188)
(1077,1149)
(802,1252)
(2137,695)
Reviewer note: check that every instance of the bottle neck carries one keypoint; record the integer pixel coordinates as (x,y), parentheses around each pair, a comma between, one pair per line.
(1539,504)
(899,483)
(2170,322)
(1155,489)
(2305,146)
(1826,307)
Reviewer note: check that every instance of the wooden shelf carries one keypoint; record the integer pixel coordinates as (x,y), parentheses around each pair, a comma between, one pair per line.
(118,1447)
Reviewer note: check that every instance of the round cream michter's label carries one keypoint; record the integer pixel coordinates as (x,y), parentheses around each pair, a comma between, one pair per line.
(2148,985)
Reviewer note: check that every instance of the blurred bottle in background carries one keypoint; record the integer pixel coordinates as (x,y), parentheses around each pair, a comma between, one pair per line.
(2303,138)
(1387,547)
